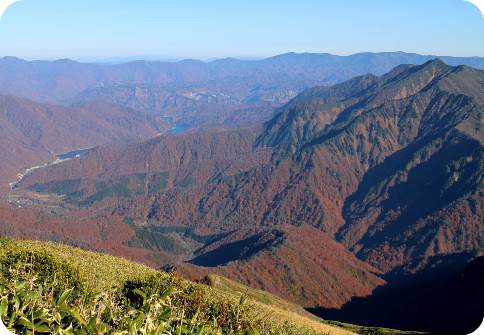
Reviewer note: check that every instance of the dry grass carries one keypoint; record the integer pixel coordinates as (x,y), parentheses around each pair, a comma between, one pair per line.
(101,273)
(276,308)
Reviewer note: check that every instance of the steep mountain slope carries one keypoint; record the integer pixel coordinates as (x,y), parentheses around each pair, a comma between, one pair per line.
(300,264)
(178,162)
(390,166)
(161,184)
(321,170)
(412,143)
(32,132)
(221,306)
(195,93)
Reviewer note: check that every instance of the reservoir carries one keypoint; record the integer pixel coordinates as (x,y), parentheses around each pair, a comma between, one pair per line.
(73,154)
(59,159)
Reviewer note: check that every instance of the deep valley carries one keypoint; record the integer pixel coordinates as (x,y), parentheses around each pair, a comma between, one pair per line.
(351,188)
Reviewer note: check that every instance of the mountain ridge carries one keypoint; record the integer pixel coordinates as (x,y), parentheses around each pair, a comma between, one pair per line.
(389,168)
(159,72)
(34,132)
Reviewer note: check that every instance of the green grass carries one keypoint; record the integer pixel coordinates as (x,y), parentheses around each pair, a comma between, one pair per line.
(52,288)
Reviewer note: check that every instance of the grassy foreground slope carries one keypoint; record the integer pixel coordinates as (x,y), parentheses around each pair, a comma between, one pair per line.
(285,310)
(53,288)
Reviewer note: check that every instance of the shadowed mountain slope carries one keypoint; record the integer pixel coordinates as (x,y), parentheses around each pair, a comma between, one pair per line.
(349,170)
(300,264)
(444,296)
(389,166)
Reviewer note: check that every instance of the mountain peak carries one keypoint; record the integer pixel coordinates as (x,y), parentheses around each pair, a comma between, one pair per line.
(11,59)
(436,62)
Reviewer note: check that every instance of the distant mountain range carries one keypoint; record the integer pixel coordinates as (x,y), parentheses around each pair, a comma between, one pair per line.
(365,187)
(190,94)
(191,91)
(67,78)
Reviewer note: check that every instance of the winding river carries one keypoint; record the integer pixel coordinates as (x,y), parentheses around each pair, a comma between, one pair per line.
(175,129)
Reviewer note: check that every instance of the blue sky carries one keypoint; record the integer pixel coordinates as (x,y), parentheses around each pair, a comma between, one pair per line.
(84,29)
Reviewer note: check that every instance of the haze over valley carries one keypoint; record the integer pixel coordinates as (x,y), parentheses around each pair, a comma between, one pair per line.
(308,187)
(300,193)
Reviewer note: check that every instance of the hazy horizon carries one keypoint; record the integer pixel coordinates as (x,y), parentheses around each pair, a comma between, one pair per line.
(148,29)
(124,59)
